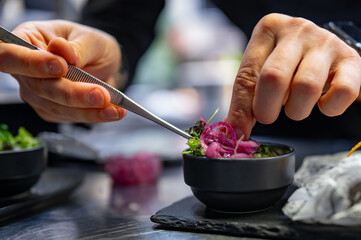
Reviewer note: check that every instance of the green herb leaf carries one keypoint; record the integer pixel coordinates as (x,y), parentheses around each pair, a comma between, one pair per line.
(269,151)
(22,140)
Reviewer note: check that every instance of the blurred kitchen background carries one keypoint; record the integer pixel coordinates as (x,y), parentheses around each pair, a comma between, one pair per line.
(187,73)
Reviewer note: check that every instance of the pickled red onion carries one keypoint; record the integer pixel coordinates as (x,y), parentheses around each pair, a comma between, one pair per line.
(218,144)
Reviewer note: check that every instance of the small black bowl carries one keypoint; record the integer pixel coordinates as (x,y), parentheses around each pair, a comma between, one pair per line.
(240,185)
(21,169)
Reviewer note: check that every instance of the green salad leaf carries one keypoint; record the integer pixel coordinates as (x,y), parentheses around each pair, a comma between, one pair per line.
(269,151)
(22,140)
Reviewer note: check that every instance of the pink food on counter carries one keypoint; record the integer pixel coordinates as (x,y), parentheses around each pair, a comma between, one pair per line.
(140,169)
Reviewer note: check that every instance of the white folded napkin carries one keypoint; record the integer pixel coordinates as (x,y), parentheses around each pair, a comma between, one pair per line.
(329,190)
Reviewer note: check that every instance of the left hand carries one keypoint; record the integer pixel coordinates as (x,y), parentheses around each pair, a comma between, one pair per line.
(39,73)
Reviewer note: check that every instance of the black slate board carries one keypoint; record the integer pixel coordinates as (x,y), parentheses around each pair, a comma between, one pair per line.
(191,215)
(54,186)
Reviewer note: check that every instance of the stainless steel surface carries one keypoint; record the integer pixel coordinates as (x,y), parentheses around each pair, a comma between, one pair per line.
(117,97)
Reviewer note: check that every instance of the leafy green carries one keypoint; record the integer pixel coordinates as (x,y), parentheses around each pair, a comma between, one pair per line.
(269,151)
(195,147)
(197,129)
(22,140)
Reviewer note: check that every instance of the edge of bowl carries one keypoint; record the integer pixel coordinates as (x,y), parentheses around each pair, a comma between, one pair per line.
(41,145)
(236,175)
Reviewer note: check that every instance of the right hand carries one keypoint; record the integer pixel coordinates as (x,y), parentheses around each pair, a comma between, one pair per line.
(39,73)
(292,62)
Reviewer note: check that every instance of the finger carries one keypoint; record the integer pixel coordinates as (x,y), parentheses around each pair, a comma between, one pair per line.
(307,84)
(93,51)
(63,48)
(344,88)
(275,78)
(98,52)
(65,92)
(20,60)
(262,42)
(64,114)
(54,112)
(31,34)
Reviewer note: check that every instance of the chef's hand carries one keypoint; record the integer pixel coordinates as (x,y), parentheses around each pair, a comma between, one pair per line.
(292,62)
(39,73)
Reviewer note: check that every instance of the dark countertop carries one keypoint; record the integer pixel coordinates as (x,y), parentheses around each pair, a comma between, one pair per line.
(96,210)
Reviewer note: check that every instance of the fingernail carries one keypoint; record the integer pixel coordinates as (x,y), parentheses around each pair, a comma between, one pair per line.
(110,113)
(96,98)
(53,67)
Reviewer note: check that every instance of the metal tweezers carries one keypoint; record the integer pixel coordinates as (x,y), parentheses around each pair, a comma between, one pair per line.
(117,97)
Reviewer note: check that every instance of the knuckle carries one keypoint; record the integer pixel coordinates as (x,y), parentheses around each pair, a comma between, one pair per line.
(55,113)
(265,118)
(35,85)
(342,96)
(4,55)
(346,91)
(246,78)
(295,114)
(329,111)
(89,117)
(27,60)
(303,24)
(24,94)
(237,115)
(307,86)
(352,56)
(8,60)
(329,38)
(44,115)
(51,93)
(324,40)
(67,94)
(272,76)
(303,27)
(26,25)
(267,24)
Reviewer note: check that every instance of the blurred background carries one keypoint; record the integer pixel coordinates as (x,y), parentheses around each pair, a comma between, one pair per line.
(187,73)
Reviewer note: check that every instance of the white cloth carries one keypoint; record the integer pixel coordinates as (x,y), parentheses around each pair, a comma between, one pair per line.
(329,190)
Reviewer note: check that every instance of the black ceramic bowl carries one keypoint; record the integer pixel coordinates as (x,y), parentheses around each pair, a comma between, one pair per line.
(239,185)
(21,169)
